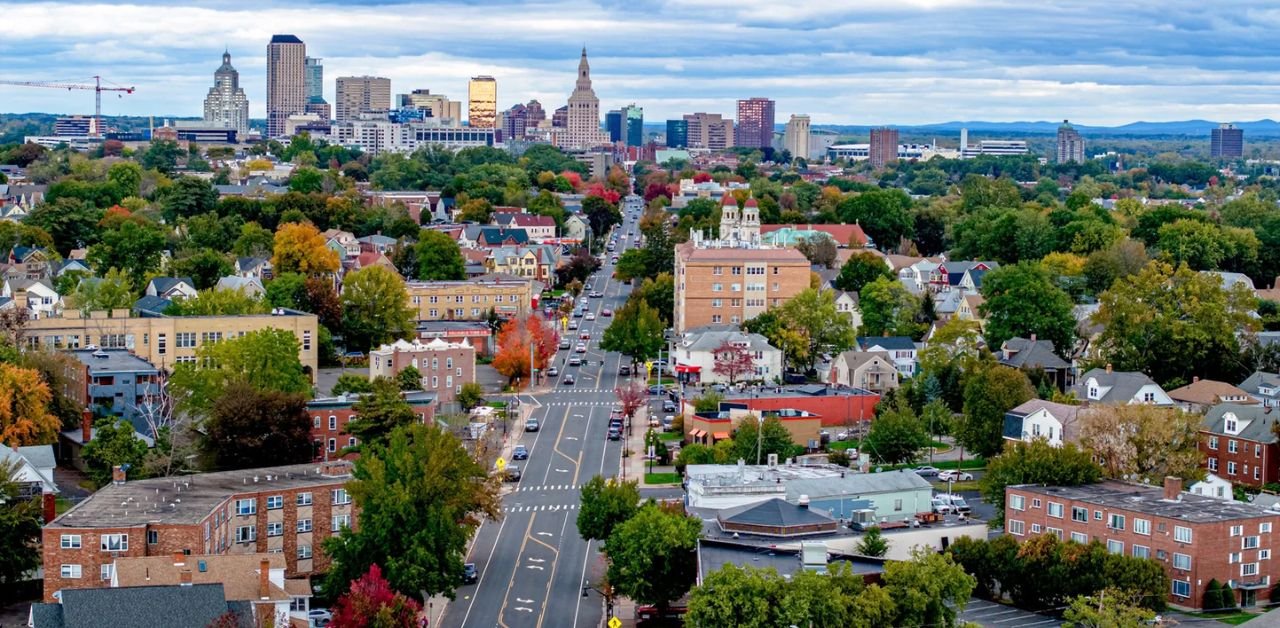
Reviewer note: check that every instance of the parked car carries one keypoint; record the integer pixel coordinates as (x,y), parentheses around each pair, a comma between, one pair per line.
(615,433)
(942,506)
(668,405)
(952,475)
(469,573)
(531,425)
(615,422)
(511,473)
(667,423)
(319,616)
(567,380)
(927,471)
(519,452)
(565,344)
(657,390)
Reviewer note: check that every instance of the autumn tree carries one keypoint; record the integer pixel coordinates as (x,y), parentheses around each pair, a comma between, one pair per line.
(301,248)
(248,427)
(514,341)
(370,602)
(733,361)
(1145,441)
(812,315)
(631,397)
(25,416)
(990,392)
(114,443)
(605,505)
(375,307)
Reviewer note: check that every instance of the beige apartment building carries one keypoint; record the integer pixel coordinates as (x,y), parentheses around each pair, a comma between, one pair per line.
(167,340)
(471,299)
(356,95)
(718,283)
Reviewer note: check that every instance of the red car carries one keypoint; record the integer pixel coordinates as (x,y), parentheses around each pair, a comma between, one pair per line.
(606,312)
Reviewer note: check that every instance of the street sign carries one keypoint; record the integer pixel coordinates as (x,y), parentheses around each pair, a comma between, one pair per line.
(614,622)
(502,463)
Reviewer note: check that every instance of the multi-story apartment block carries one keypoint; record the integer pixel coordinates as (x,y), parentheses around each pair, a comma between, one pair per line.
(120,383)
(1239,443)
(755,123)
(718,284)
(287,509)
(1195,537)
(708,130)
(356,95)
(1070,144)
(167,340)
(1226,141)
(330,416)
(884,147)
(471,299)
(445,366)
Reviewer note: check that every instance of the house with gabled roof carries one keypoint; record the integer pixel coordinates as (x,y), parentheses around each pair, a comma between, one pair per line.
(1264,387)
(171,288)
(1057,423)
(1202,394)
(902,351)
(342,242)
(1239,443)
(36,295)
(1106,386)
(256,267)
(952,273)
(864,369)
(1032,354)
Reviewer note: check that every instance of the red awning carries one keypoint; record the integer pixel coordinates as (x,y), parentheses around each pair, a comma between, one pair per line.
(720,436)
(688,368)
(697,433)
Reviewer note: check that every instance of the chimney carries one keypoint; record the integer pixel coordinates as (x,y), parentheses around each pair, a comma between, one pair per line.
(184,578)
(1172,488)
(1033,338)
(117,475)
(179,559)
(86,426)
(1195,379)
(1108,367)
(49,504)
(803,502)
(264,579)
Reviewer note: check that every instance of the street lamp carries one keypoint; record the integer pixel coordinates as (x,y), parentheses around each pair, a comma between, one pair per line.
(608,598)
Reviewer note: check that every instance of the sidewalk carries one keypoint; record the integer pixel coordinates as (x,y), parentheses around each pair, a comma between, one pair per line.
(635,466)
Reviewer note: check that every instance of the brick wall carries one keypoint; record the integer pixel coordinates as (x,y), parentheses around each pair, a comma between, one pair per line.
(1255,463)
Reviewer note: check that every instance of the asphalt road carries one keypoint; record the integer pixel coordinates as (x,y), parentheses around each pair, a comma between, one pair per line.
(532,564)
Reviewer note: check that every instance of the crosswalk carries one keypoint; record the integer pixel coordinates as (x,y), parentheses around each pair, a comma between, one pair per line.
(542,508)
(548,487)
(579,404)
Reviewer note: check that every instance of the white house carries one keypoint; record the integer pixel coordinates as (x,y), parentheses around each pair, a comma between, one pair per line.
(38,295)
(696,355)
(847,304)
(251,286)
(171,288)
(916,275)
(1119,387)
(255,267)
(35,465)
(901,349)
(1215,487)
(576,227)
(1055,422)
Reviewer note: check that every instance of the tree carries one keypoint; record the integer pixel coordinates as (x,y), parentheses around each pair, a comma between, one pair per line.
(514,341)
(733,361)
(375,307)
(636,331)
(161,155)
(1036,462)
(352,383)
(420,497)
(25,416)
(114,443)
(897,435)
(71,222)
(379,413)
(408,379)
(631,397)
(708,401)
(873,543)
(254,241)
(989,393)
(114,290)
(1102,268)
(884,215)
(760,598)
(205,267)
(887,307)
(471,395)
(861,269)
(929,590)
(1144,441)
(1109,607)
(306,180)
(631,265)
(660,293)
(601,214)
(812,314)
(371,603)
(188,196)
(820,250)
(132,247)
(754,440)
(250,427)
(1173,324)
(653,555)
(266,358)
(20,525)
(439,257)
(300,248)
(1023,300)
(218,302)
(606,504)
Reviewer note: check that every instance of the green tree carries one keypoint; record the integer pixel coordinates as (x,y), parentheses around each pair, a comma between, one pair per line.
(636,331)
(266,358)
(188,196)
(1109,607)
(254,241)
(653,555)
(114,290)
(742,597)
(306,180)
(897,435)
(438,257)
(1195,243)
(471,395)
(114,443)
(601,214)
(379,413)
(352,383)
(287,290)
(1022,300)
(1036,462)
(71,223)
(133,246)
(708,401)
(248,427)
(813,315)
(218,302)
(127,177)
(861,269)
(929,590)
(20,526)
(606,504)
(873,543)
(660,293)
(205,267)
(420,498)
(1124,258)
(409,379)
(989,393)
(161,155)
(888,307)
(631,265)
(754,441)
(884,215)
(375,307)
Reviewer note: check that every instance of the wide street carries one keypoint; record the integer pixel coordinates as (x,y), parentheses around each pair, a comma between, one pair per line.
(532,564)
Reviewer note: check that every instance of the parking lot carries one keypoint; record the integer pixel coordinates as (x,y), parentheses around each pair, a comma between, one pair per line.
(984,613)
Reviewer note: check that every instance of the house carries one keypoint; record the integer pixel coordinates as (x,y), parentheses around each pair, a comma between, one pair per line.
(696,356)
(1202,394)
(1239,443)
(847,304)
(901,349)
(1057,423)
(71,265)
(255,267)
(443,366)
(34,465)
(576,227)
(121,384)
(489,237)
(37,296)
(377,242)
(864,369)
(1231,280)
(256,579)
(171,288)
(538,261)
(536,227)
(916,273)
(250,286)
(970,309)
(971,282)
(374,258)
(953,273)
(1214,486)
(946,302)
(1264,387)
(344,243)
(1119,387)
(1032,354)
(138,607)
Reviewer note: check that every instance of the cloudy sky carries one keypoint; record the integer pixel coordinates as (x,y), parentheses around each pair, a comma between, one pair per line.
(840,61)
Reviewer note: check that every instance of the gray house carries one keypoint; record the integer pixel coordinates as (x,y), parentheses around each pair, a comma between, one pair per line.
(119,383)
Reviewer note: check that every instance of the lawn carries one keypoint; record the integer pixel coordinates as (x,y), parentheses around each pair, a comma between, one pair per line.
(955,486)
(662,478)
(669,436)
(497,404)
(1233,618)
(842,445)
(969,463)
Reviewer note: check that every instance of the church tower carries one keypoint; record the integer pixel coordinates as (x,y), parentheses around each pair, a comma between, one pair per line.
(749,228)
(730,223)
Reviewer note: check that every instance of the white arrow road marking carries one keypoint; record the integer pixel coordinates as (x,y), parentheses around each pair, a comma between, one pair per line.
(562,470)
(527,610)
(536,560)
(538,567)
(524,601)
(545,534)
(571,438)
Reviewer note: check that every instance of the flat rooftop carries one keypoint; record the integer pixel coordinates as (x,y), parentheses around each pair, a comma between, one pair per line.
(1141,498)
(185,499)
(113,361)
(714,554)
(803,390)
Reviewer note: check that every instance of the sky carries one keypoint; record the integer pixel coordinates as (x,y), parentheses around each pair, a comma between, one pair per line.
(860,62)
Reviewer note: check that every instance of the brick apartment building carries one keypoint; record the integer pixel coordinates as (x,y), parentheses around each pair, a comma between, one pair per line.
(445,366)
(1239,443)
(472,299)
(1196,538)
(288,509)
(731,285)
(330,415)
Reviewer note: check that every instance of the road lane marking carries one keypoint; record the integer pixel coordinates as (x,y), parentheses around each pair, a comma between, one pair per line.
(512,581)
(524,601)
(555,565)
(538,567)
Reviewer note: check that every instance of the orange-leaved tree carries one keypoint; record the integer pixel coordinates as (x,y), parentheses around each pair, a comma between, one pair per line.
(25,418)
(300,248)
(514,340)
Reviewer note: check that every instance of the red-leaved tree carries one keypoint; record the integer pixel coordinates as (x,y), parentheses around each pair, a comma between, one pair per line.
(371,602)
(632,397)
(597,188)
(574,179)
(514,339)
(733,361)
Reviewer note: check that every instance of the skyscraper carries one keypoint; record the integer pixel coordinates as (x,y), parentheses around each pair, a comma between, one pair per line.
(582,124)
(482,99)
(884,147)
(1226,141)
(445,112)
(514,122)
(755,123)
(314,79)
(286,81)
(795,139)
(361,94)
(1070,144)
(677,133)
(633,125)
(709,131)
(614,126)
(226,105)
(535,113)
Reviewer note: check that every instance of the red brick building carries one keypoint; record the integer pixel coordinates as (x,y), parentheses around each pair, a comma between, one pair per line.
(1239,443)
(445,366)
(287,509)
(330,415)
(837,407)
(1195,538)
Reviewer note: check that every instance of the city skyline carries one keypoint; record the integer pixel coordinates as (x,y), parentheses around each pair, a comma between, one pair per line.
(922,62)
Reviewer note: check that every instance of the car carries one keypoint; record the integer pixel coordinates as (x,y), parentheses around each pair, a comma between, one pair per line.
(958,504)
(613,259)
(552,371)
(611,246)
(668,422)
(531,425)
(606,312)
(511,473)
(581,348)
(572,326)
(615,433)
(577,313)
(519,452)
(587,286)
(615,421)
(586,335)
(567,380)
(319,617)
(590,316)
(843,435)
(941,505)
(565,344)
(668,405)
(624,370)
(952,475)
(926,470)
(657,390)
(575,361)
(597,294)
(469,573)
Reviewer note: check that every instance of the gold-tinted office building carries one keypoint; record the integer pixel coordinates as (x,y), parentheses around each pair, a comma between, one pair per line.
(482,100)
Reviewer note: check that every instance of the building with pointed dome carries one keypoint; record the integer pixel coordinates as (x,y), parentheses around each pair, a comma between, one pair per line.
(740,225)
(582,122)
(226,106)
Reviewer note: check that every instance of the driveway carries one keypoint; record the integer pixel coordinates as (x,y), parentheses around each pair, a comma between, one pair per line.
(992,615)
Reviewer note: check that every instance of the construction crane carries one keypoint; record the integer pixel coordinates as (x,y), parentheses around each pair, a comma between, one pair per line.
(96,87)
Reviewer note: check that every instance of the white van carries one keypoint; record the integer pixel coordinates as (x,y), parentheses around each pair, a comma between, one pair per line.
(958,504)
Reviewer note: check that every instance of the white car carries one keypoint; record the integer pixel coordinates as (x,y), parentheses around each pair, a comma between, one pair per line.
(590,316)
(951,475)
(319,617)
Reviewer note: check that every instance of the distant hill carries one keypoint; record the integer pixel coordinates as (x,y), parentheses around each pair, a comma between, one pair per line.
(1191,128)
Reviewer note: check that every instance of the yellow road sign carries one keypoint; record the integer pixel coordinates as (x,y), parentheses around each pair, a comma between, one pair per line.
(614,622)
(502,463)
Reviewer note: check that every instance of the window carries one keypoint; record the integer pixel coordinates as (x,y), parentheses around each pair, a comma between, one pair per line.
(1181,561)
(153,537)
(1080,537)
(897,505)
(1115,547)
(1230,424)
(1035,502)
(1237,530)
(1232,446)
(1213,465)
(1249,542)
(104,571)
(1079,514)
(333,422)
(1055,532)
(304,499)
(332,445)
(1017,502)
(1055,510)
(340,496)
(1141,526)
(71,541)
(1016,527)
(1182,588)
(1264,528)
(1097,515)
(1181,534)
(246,534)
(1264,554)
(71,571)
(1249,569)
(275,502)
(185,339)
(1257,450)
(717,270)
(275,528)
(304,552)
(1116,522)
(115,542)
(1231,468)
(1141,551)
(341,521)
(161,342)
(715,287)
(1035,528)
(1235,557)
(306,340)
(246,506)
(304,525)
